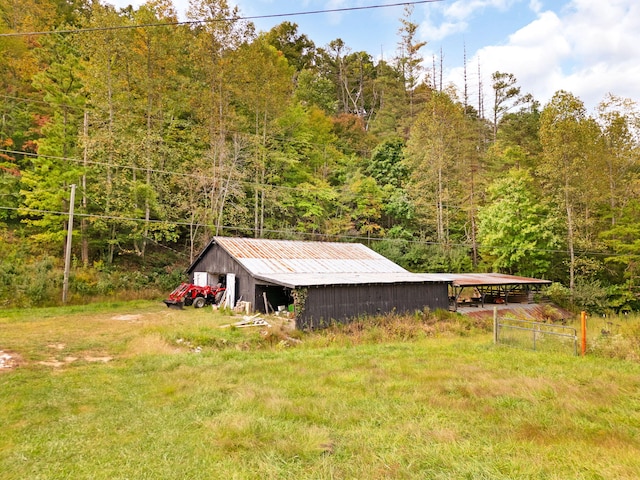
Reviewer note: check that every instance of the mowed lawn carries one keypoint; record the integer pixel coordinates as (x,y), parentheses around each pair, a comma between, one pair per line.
(138,391)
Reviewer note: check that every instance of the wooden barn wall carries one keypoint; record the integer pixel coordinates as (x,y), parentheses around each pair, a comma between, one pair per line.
(217,261)
(325,305)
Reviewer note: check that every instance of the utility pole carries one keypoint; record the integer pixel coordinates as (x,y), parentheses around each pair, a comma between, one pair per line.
(67,257)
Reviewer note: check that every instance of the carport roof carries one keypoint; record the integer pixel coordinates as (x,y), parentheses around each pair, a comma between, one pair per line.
(488,279)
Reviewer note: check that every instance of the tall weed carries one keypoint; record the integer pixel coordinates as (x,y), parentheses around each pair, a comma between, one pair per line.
(621,341)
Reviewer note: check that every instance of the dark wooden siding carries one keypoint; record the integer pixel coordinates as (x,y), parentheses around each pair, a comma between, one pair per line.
(325,305)
(217,261)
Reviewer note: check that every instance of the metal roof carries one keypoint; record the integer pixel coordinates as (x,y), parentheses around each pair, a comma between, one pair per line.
(488,279)
(294,280)
(261,256)
(297,263)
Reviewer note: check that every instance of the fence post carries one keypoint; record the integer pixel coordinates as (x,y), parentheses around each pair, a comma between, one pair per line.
(583,324)
(495,325)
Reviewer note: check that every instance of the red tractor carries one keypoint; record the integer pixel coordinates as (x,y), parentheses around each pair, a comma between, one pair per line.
(190,294)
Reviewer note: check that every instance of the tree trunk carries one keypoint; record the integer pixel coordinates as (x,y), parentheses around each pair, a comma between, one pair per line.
(572,257)
(440,217)
(83,223)
(612,196)
(472,215)
(109,186)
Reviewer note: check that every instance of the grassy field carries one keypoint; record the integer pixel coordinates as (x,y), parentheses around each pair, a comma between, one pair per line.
(138,391)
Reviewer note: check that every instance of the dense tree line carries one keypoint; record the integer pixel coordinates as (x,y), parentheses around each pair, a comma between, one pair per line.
(174,133)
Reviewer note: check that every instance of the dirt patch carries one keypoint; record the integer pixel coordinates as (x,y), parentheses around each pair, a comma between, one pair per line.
(127,318)
(57,363)
(98,359)
(52,363)
(9,360)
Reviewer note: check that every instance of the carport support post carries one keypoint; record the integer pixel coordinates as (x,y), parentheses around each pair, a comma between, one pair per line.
(495,324)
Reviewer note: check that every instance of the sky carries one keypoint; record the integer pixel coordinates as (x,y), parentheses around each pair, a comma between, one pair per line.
(590,48)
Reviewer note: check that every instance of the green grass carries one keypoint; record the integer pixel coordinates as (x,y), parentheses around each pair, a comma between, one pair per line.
(398,400)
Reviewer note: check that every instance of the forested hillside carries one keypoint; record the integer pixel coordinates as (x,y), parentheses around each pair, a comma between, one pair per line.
(175,132)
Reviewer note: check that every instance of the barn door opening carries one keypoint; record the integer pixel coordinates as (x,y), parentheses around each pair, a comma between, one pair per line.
(277,298)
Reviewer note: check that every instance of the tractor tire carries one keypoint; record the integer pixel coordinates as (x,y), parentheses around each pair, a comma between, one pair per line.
(199,302)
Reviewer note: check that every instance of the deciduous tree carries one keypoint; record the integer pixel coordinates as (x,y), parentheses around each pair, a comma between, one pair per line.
(433,155)
(517,230)
(570,167)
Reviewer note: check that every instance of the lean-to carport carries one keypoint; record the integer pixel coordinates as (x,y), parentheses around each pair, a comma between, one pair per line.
(491,288)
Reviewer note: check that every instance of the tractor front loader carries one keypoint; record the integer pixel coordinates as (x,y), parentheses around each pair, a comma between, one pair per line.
(187,294)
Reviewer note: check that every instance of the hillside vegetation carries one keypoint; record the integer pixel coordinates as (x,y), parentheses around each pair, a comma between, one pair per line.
(135,390)
(173,133)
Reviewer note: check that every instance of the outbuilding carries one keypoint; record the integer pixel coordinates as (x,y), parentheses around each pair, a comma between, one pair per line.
(479,289)
(321,282)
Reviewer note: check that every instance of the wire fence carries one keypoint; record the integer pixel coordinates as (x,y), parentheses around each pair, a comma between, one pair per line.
(535,335)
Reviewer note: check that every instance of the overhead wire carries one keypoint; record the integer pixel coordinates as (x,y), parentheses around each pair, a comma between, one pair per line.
(133,116)
(195,176)
(217,20)
(144,169)
(41,102)
(185,223)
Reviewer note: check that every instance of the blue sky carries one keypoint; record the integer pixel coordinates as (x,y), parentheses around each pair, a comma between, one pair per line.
(588,47)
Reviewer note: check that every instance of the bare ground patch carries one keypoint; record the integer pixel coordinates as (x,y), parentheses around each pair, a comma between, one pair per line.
(127,318)
(9,360)
(57,363)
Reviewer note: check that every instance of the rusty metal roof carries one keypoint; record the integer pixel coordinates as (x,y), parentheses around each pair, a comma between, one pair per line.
(261,256)
(297,263)
(488,279)
(525,311)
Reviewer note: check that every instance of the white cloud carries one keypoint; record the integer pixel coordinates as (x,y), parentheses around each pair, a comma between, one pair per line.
(589,48)
(464,9)
(604,31)
(535,6)
(444,20)
(443,30)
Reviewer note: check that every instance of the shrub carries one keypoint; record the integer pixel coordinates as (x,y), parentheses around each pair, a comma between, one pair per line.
(590,296)
(559,294)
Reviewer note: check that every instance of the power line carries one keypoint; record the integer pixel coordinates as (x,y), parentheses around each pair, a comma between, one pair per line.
(145,169)
(185,223)
(41,102)
(221,20)
(222,178)
(132,117)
